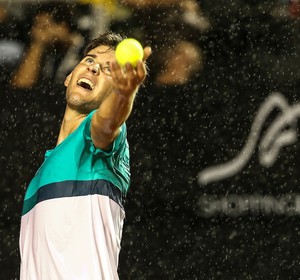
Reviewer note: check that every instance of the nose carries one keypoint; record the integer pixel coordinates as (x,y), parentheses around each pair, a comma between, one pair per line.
(95,68)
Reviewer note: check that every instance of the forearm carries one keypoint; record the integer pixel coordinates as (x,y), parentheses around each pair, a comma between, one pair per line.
(117,106)
(115,110)
(27,74)
(112,113)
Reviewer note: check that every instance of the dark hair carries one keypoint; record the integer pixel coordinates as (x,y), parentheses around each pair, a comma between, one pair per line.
(109,39)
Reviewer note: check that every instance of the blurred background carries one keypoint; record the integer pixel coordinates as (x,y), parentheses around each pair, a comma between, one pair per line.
(215,152)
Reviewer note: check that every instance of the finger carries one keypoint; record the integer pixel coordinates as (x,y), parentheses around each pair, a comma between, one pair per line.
(147,53)
(116,71)
(141,70)
(131,74)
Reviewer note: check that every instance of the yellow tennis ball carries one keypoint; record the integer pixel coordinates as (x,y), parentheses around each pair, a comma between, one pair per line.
(129,50)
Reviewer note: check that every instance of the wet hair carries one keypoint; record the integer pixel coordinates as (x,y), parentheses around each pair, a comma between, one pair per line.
(108,39)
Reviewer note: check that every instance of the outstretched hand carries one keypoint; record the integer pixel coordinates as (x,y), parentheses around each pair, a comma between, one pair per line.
(127,80)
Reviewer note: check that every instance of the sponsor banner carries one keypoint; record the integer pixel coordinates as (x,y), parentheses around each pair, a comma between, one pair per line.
(236,205)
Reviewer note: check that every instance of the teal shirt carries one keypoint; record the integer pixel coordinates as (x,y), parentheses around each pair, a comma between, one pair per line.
(77,162)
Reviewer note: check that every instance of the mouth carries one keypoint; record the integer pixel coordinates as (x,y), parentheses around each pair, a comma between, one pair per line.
(86,84)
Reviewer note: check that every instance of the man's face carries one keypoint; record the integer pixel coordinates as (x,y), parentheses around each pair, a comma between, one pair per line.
(90,81)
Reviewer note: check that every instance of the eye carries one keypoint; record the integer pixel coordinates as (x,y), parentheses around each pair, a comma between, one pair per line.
(106,70)
(89,60)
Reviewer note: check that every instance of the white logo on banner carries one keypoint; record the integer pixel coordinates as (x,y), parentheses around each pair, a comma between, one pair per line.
(234,205)
(282,132)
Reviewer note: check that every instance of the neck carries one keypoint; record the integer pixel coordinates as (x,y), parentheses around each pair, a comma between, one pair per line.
(70,122)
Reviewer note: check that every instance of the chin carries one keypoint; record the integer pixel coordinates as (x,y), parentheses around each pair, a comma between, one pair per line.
(81,107)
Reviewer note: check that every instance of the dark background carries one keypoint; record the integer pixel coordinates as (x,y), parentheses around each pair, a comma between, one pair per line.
(174,133)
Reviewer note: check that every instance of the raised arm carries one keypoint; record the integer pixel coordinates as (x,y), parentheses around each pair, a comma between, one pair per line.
(116,108)
(45,32)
